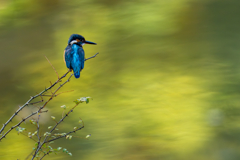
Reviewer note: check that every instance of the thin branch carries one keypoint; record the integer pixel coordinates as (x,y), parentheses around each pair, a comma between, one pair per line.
(92,56)
(61,120)
(64,135)
(38,127)
(39,110)
(23,120)
(31,154)
(35,102)
(52,67)
(10,119)
(63,92)
(46,154)
(27,103)
(46,95)
(43,111)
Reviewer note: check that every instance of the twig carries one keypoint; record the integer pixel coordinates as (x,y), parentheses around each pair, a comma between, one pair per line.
(46,154)
(64,135)
(92,56)
(38,127)
(52,67)
(63,92)
(24,119)
(31,154)
(27,103)
(35,102)
(43,111)
(39,110)
(46,95)
(45,140)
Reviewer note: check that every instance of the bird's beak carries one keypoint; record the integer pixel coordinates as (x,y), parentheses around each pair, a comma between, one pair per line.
(89,42)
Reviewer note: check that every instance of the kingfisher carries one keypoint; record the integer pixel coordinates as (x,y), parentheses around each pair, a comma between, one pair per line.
(74,55)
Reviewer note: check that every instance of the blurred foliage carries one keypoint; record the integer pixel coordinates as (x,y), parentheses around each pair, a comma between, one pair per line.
(165,84)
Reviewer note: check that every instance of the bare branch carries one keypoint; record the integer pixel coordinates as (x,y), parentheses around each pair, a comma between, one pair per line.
(23,120)
(45,154)
(92,56)
(63,92)
(27,103)
(39,110)
(35,102)
(52,67)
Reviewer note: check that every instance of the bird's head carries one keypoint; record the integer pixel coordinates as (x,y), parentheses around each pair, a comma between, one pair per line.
(78,39)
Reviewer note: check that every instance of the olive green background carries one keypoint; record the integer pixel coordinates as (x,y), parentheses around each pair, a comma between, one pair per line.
(166,84)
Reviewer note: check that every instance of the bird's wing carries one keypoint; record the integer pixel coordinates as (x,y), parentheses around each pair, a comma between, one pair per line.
(67,56)
(76,59)
(82,57)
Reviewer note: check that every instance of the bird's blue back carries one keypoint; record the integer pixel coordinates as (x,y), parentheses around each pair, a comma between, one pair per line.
(75,58)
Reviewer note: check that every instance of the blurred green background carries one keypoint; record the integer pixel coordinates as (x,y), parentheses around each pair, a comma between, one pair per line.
(166,84)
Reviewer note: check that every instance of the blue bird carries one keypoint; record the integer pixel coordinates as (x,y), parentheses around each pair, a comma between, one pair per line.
(74,54)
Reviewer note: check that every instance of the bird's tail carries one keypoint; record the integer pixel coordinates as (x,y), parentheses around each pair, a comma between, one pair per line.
(77,74)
